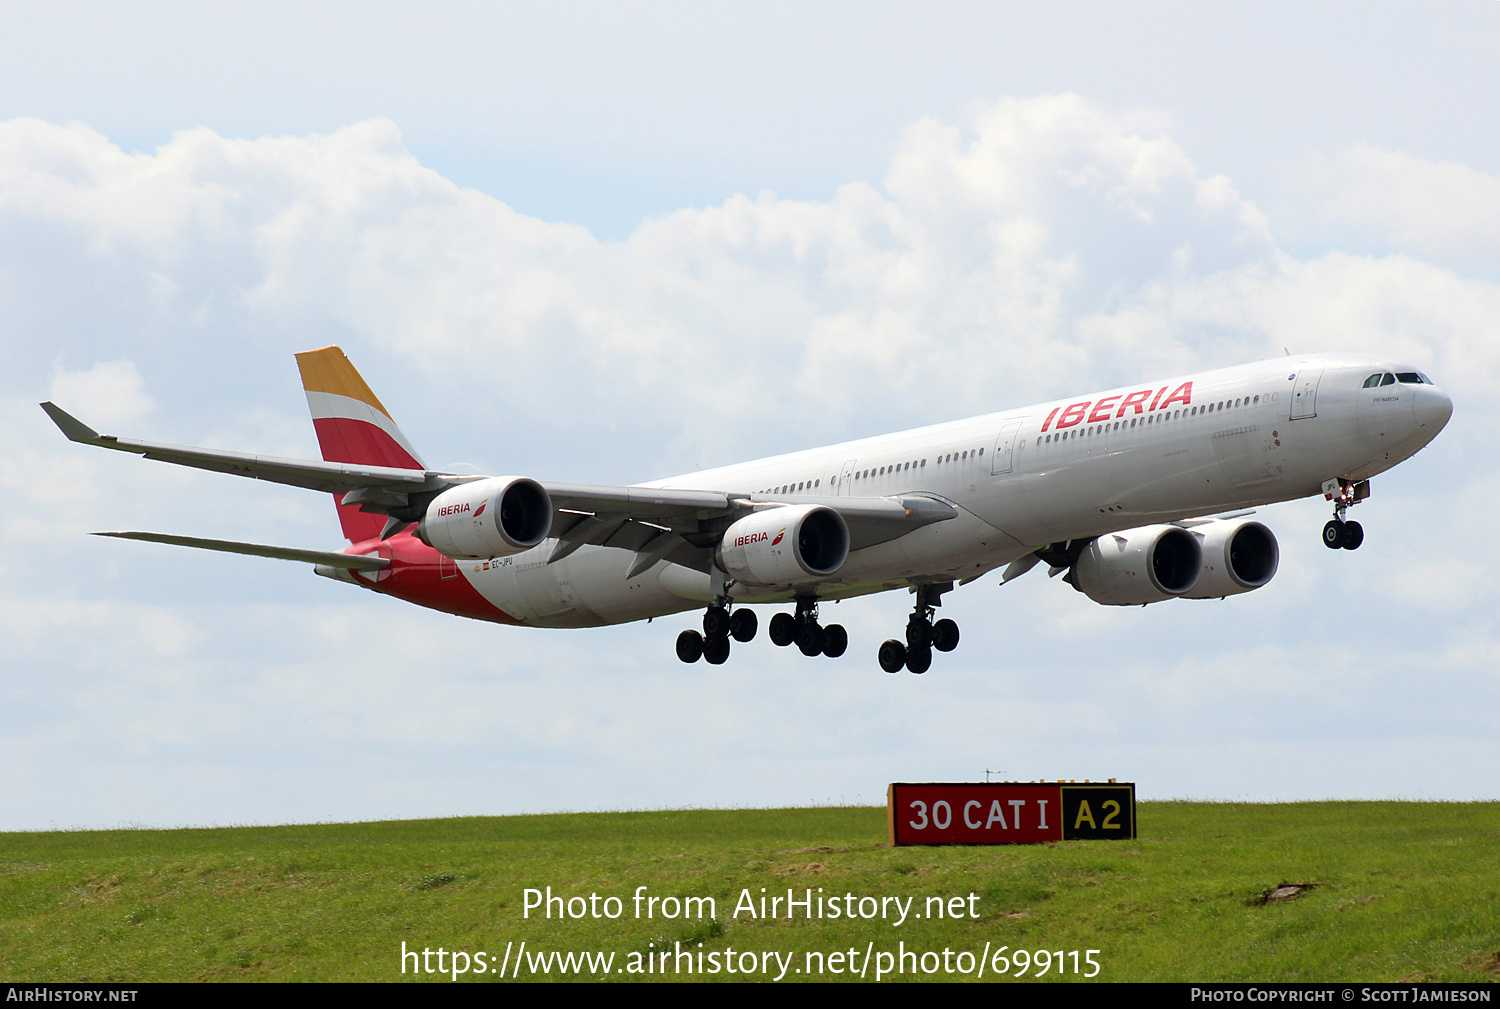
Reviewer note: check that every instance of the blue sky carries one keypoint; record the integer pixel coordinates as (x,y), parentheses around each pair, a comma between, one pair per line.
(588,245)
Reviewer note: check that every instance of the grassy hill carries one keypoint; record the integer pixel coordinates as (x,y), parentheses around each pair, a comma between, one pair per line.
(1401,891)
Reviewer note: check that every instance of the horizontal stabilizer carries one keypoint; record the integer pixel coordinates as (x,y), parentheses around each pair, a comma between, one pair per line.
(332,558)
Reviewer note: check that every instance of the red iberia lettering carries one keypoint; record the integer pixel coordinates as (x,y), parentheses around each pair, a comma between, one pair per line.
(1048,422)
(1182,394)
(1135,399)
(1102,409)
(1158,396)
(1073,414)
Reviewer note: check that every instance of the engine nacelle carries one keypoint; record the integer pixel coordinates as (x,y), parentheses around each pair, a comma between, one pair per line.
(494,517)
(1136,566)
(781,546)
(1237,556)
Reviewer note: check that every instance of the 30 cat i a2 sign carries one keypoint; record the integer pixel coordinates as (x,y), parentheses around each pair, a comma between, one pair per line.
(1010,812)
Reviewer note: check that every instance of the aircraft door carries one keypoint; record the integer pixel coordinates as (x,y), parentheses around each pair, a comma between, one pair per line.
(1305,394)
(846,477)
(1005,448)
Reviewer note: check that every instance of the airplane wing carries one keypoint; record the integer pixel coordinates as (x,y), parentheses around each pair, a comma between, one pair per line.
(333,477)
(677,524)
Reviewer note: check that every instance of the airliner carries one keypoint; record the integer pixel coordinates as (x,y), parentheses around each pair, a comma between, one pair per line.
(1135,495)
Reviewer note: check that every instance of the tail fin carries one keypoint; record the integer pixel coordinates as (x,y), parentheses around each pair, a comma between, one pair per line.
(352,426)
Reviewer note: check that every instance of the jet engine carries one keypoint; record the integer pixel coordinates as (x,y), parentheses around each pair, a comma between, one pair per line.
(780,546)
(494,517)
(1136,566)
(1237,556)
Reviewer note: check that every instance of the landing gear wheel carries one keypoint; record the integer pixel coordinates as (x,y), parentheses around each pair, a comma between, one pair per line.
(1334,533)
(892,656)
(1354,535)
(715,622)
(689,646)
(716,650)
(836,640)
(742,625)
(783,629)
(919,660)
(918,633)
(811,639)
(945,635)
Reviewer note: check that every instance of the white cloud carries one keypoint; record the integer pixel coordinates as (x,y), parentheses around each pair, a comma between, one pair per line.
(1042,247)
(111,393)
(1396,200)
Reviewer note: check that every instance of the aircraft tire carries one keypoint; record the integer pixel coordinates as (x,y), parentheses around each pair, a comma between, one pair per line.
(836,640)
(690,646)
(918,634)
(811,639)
(716,651)
(715,622)
(945,635)
(1333,534)
(919,660)
(783,629)
(1354,535)
(743,625)
(892,656)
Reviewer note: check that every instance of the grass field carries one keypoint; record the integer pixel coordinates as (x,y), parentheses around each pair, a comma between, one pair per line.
(1403,891)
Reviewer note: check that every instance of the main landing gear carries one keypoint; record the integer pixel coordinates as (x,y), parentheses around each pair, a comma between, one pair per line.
(922,634)
(1340,533)
(719,625)
(810,637)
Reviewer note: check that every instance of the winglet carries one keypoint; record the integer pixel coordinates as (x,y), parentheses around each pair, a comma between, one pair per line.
(75,429)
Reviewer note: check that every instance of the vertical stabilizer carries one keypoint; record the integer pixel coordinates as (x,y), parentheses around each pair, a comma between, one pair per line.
(352,426)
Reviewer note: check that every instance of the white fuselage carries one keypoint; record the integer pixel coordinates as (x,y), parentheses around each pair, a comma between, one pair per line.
(1019,479)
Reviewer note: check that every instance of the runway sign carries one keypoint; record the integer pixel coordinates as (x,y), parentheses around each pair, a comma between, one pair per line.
(1009,812)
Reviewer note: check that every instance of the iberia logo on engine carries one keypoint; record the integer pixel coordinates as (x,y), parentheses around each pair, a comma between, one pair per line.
(778,536)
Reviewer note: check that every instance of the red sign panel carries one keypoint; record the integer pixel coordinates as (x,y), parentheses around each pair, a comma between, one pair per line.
(1008,812)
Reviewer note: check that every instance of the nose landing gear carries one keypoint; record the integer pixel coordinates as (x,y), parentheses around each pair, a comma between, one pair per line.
(922,634)
(1340,533)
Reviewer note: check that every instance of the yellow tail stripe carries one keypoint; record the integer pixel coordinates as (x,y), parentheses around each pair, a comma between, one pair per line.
(328,370)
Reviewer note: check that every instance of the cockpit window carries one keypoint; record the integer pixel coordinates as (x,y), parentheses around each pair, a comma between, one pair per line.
(1387,379)
(1409,378)
(1372,381)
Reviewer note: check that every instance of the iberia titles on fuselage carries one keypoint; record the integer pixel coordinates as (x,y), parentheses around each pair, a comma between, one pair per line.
(1118,491)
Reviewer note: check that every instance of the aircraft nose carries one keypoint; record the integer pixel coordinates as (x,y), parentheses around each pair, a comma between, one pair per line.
(1431,409)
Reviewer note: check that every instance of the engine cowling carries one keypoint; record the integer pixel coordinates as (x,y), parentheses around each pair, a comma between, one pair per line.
(1135,566)
(1238,556)
(494,517)
(781,546)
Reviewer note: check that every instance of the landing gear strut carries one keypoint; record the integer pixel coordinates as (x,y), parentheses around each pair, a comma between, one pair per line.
(803,629)
(922,634)
(1340,533)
